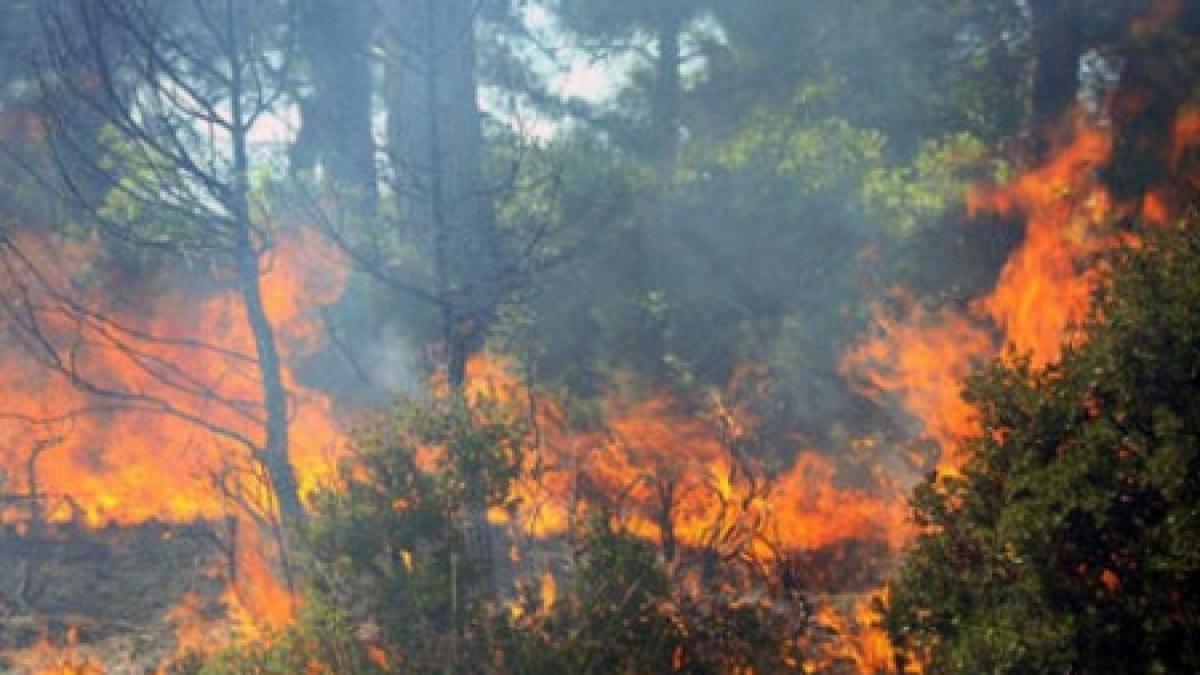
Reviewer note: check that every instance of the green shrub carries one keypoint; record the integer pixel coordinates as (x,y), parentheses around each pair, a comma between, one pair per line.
(1071,542)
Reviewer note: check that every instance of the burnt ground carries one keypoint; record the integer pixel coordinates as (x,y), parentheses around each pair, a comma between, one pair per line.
(103,595)
(106,600)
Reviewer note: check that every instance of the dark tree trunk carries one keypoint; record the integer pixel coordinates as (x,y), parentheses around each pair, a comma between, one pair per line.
(335,38)
(666,104)
(275,456)
(436,146)
(1058,42)
(274,453)
(140,64)
(668,92)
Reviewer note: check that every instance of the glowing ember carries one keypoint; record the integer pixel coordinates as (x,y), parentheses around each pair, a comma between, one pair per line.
(848,638)
(48,658)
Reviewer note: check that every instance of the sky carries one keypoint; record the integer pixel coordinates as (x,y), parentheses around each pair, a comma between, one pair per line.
(577,75)
(571,74)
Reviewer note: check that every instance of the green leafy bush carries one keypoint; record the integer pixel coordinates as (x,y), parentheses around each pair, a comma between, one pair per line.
(1069,542)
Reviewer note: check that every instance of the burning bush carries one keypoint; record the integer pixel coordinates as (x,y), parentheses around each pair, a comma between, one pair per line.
(395,585)
(1068,542)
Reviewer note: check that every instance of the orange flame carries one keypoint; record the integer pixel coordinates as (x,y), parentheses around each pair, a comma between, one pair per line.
(676,475)
(1185,134)
(858,642)
(1042,295)
(923,360)
(127,464)
(813,512)
(49,658)
(188,391)
(1045,288)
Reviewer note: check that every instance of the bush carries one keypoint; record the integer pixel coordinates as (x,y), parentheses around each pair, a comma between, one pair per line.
(391,587)
(1071,541)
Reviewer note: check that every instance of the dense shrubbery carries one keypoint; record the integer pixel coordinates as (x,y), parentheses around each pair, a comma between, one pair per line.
(391,587)
(626,613)
(1069,542)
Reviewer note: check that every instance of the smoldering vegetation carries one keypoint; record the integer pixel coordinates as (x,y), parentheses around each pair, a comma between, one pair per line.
(488,336)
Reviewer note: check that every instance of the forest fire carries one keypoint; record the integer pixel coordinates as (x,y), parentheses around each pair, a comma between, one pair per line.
(660,442)
(684,477)
(678,473)
(148,419)
(118,460)
(47,658)
(1043,293)
(681,474)
(858,643)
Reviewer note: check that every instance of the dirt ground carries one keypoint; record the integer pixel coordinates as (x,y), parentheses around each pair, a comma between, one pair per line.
(70,595)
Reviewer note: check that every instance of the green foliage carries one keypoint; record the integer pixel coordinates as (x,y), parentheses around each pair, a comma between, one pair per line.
(809,156)
(627,612)
(389,546)
(911,196)
(911,70)
(145,208)
(390,584)
(1069,542)
(322,642)
(747,252)
(611,622)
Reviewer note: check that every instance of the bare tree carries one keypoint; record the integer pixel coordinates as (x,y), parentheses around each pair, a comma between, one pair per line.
(176,87)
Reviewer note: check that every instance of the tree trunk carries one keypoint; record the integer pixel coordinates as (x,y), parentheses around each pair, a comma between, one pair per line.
(436,146)
(274,453)
(336,118)
(668,91)
(1058,45)
(666,99)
